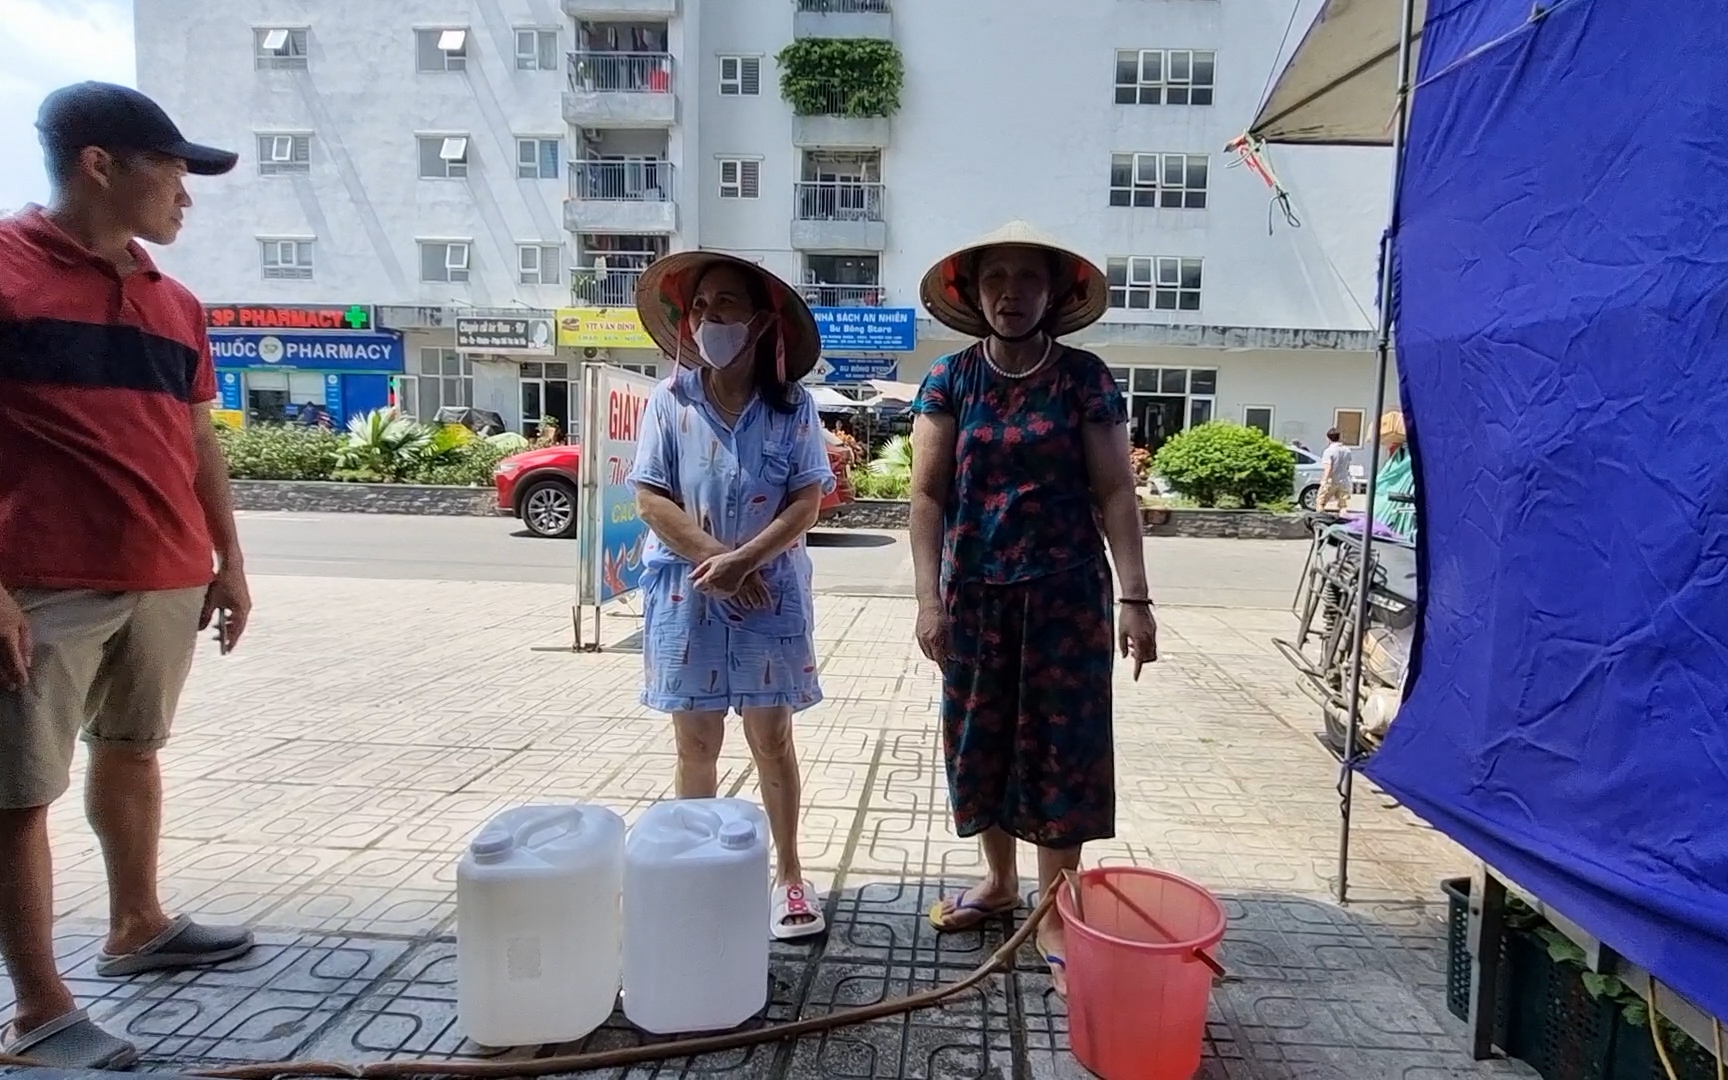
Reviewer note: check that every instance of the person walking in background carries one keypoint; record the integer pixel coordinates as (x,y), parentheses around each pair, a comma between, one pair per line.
(1336,483)
(106,544)
(731,467)
(1016,440)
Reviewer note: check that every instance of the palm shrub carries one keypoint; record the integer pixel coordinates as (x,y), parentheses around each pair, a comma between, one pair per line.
(1224,461)
(889,473)
(383,445)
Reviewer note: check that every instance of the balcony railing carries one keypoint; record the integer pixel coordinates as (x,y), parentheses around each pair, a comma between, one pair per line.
(838,200)
(594,287)
(625,180)
(837,100)
(621,72)
(844,7)
(842,295)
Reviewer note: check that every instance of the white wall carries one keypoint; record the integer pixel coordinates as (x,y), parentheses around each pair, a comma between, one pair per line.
(1007,112)
(363,101)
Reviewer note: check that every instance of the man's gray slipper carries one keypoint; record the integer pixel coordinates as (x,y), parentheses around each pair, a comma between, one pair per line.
(72,1041)
(185,944)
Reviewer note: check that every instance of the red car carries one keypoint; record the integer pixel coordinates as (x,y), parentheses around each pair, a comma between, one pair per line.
(540,486)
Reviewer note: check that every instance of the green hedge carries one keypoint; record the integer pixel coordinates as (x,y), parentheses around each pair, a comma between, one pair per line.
(841,77)
(449,456)
(1223,462)
(280,452)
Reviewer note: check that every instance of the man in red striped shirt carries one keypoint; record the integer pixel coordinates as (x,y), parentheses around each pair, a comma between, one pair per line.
(117,543)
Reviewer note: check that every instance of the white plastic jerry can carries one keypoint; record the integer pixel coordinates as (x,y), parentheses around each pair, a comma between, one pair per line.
(697,892)
(539,925)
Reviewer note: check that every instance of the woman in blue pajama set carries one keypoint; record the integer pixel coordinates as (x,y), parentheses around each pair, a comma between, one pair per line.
(731,467)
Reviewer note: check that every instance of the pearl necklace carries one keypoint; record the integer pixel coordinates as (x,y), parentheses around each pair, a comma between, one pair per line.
(1049,348)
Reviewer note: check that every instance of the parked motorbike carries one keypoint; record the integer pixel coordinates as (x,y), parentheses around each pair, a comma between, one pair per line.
(1326,610)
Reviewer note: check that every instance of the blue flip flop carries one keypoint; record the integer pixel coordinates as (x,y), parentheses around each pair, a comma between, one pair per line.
(984,912)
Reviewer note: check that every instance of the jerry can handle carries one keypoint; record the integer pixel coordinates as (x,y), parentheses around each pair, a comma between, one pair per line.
(568,819)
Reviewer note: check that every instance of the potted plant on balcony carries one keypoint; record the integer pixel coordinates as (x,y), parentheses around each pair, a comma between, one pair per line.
(841,77)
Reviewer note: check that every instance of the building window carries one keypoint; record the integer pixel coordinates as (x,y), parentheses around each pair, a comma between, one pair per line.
(1164,77)
(1258,417)
(1351,425)
(1172,181)
(540,264)
(740,76)
(443,157)
(279,48)
(537,159)
(1147,283)
(650,370)
(286,260)
(441,50)
(282,154)
(446,382)
(545,392)
(536,50)
(1165,401)
(444,260)
(740,178)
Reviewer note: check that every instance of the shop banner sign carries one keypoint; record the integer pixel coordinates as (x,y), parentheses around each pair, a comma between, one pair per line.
(867,329)
(353,318)
(228,385)
(611,535)
(509,336)
(856,370)
(315,352)
(601,328)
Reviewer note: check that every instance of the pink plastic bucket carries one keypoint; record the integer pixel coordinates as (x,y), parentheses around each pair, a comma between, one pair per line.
(1139,971)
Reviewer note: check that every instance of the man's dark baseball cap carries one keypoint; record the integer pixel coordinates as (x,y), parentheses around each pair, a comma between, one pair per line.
(119,118)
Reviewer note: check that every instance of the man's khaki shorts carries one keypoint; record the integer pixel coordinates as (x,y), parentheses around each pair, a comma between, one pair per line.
(111,665)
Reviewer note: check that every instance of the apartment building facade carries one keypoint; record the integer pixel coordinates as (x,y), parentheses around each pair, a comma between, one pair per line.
(480,179)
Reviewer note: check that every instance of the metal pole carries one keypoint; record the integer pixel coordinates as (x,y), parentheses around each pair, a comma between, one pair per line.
(1383,349)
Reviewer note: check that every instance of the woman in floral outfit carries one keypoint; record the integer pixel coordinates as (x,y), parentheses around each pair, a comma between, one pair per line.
(1020,451)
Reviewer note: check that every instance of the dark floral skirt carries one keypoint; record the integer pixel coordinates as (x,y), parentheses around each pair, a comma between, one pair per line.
(1026,707)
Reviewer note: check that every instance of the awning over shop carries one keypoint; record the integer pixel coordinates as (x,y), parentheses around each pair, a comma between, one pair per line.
(1340,86)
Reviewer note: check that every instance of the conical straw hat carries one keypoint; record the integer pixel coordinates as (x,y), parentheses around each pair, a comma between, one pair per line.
(1078,298)
(667,287)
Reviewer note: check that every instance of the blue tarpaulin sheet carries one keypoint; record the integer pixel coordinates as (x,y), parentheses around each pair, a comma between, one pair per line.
(1563,349)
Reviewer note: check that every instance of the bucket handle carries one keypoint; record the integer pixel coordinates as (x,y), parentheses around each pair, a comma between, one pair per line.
(568,818)
(1072,880)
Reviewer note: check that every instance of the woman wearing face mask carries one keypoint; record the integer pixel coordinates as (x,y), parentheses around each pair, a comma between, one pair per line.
(730,471)
(1018,440)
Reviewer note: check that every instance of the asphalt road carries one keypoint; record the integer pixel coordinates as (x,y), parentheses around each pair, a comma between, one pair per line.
(1204,573)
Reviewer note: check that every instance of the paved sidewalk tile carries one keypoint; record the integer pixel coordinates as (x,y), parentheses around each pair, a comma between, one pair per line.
(325,778)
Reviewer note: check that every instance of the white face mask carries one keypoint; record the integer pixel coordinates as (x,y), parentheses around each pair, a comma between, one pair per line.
(722,343)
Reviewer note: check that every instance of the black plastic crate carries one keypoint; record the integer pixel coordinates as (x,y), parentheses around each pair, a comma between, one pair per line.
(1635,1056)
(1558,1028)
(1546,1017)
(1460,965)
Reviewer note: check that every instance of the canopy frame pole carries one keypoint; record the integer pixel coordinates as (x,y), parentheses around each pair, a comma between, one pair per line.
(1383,351)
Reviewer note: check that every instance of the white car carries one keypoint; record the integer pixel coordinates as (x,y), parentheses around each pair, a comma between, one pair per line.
(1308,469)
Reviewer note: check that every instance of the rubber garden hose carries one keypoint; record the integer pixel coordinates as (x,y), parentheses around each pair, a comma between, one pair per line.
(1001,959)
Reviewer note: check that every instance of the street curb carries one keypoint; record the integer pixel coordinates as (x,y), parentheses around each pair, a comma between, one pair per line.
(308,497)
